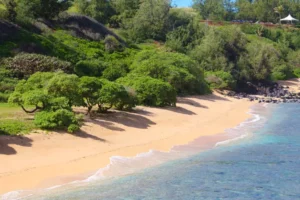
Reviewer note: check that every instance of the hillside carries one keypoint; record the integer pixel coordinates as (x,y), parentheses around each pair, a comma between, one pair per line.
(123,55)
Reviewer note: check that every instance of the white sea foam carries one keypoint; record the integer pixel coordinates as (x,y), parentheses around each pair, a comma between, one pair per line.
(226,142)
(11,195)
(120,166)
(245,129)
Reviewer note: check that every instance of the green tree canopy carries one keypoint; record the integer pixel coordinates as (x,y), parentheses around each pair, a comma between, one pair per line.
(90,87)
(47,91)
(210,9)
(150,91)
(150,21)
(101,10)
(177,69)
(114,94)
(47,9)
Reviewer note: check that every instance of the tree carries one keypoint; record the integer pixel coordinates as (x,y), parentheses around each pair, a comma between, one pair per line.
(90,87)
(229,7)
(263,58)
(114,94)
(186,37)
(210,9)
(65,86)
(52,96)
(125,10)
(89,68)
(115,70)
(32,93)
(150,91)
(101,10)
(150,21)
(47,9)
(47,91)
(179,70)
(279,10)
(11,9)
(220,80)
(245,10)
(111,44)
(181,17)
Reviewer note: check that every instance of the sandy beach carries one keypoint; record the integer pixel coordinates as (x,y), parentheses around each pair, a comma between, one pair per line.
(43,160)
(293,84)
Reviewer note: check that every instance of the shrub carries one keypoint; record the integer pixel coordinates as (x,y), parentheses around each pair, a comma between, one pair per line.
(60,119)
(251,28)
(262,59)
(220,80)
(297,72)
(179,70)
(89,68)
(90,87)
(23,65)
(281,72)
(150,91)
(294,59)
(73,128)
(115,71)
(111,44)
(114,94)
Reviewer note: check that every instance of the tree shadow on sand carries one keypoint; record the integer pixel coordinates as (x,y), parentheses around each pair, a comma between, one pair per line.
(85,135)
(211,97)
(191,102)
(5,141)
(129,119)
(105,124)
(180,110)
(140,111)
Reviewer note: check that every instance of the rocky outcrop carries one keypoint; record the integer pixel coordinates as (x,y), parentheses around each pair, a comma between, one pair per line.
(88,28)
(269,94)
(8,30)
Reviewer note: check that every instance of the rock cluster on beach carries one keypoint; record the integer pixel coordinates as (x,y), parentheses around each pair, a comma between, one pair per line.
(272,94)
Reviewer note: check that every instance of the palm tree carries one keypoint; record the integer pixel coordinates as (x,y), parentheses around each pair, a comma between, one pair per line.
(279,10)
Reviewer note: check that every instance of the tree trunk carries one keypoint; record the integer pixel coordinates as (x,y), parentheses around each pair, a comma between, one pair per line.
(30,111)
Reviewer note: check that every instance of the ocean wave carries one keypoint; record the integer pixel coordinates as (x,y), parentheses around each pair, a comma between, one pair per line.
(226,142)
(120,166)
(12,195)
(118,160)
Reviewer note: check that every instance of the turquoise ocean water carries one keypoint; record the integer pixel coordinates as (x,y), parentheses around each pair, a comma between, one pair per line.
(260,159)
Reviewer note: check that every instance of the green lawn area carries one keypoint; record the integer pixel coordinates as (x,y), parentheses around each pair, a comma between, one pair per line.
(13,121)
(73,9)
(2,7)
(5,108)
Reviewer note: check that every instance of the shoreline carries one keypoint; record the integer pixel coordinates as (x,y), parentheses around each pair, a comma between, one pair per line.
(56,159)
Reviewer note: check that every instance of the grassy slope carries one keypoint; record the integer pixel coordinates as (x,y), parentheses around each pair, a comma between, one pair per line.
(13,121)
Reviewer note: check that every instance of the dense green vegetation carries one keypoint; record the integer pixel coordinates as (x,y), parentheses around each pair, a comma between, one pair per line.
(262,10)
(53,61)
